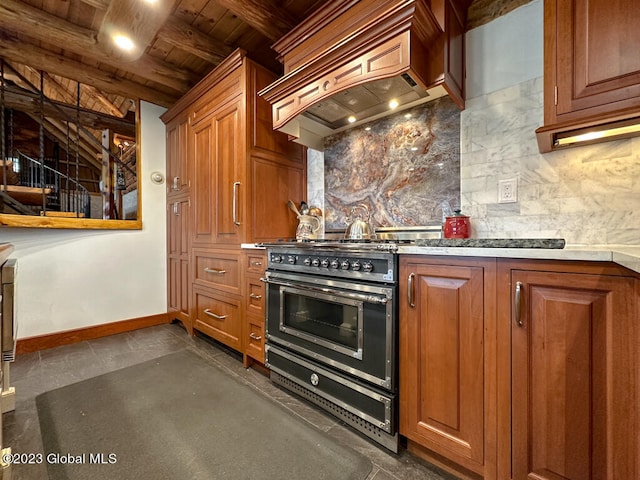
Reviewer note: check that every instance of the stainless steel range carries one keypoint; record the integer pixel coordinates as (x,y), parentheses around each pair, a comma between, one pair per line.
(331,329)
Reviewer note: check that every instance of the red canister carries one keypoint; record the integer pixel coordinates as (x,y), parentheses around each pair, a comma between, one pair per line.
(457,226)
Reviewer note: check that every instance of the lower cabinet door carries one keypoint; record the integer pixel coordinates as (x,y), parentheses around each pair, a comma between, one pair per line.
(442,360)
(218,316)
(575,377)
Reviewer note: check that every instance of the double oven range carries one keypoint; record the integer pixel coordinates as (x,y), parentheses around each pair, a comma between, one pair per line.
(332,330)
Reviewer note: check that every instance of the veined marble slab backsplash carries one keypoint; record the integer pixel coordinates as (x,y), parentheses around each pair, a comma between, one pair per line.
(401,167)
(587,195)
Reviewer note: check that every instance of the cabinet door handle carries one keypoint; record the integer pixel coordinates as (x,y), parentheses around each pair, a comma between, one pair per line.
(234,203)
(215,270)
(253,295)
(410,290)
(255,337)
(518,303)
(175,209)
(211,314)
(176,181)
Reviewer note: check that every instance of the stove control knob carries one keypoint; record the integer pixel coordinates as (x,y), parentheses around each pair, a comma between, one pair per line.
(367,267)
(307,261)
(345,265)
(291,259)
(355,265)
(276,258)
(325,262)
(315,262)
(334,263)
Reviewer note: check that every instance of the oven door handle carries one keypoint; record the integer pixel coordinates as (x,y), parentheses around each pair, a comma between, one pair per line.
(341,293)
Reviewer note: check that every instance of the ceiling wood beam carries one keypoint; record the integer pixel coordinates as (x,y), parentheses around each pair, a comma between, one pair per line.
(60,93)
(263,15)
(26,20)
(30,103)
(58,133)
(99,4)
(106,103)
(186,37)
(20,52)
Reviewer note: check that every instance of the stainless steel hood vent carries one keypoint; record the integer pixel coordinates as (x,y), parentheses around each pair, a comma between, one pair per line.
(350,59)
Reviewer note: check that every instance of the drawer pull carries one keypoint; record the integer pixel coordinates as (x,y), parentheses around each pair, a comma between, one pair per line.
(255,337)
(211,314)
(215,270)
(253,295)
(256,264)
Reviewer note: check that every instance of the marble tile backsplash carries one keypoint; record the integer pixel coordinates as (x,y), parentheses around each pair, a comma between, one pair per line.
(401,167)
(586,195)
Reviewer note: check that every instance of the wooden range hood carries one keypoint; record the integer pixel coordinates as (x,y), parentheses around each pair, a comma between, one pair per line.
(351,58)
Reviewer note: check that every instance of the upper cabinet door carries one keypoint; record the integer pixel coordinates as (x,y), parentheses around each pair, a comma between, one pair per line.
(219,157)
(178,169)
(230,172)
(598,64)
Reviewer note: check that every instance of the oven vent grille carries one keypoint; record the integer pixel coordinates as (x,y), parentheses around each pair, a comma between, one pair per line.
(370,430)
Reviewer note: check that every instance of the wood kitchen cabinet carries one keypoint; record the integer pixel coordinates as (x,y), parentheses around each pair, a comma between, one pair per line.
(591,65)
(447,314)
(178,165)
(571,409)
(255,262)
(239,175)
(178,251)
(178,182)
(219,185)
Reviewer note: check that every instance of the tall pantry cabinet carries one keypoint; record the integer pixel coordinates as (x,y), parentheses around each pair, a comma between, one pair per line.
(235,174)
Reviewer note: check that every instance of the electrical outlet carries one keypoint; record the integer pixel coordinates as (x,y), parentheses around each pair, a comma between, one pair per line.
(508,190)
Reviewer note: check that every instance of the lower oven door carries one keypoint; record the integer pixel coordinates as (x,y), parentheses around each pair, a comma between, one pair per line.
(349,326)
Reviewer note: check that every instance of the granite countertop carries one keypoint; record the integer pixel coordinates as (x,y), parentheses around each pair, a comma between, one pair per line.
(625,255)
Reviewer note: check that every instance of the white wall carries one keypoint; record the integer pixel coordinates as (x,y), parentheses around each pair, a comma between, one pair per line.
(70,279)
(587,195)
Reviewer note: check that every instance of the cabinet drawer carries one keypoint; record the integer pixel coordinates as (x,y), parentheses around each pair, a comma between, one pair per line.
(219,317)
(255,339)
(219,270)
(256,263)
(255,296)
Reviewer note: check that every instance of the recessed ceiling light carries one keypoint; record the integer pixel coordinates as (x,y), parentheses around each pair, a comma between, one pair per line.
(407,116)
(123,42)
(393,104)
(351,119)
(367,128)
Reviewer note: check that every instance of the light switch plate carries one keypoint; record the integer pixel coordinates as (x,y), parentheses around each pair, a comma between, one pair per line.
(508,190)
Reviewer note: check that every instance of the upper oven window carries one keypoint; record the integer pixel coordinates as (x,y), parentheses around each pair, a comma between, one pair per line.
(328,320)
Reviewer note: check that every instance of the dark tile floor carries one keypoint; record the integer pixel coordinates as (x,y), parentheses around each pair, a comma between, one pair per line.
(38,372)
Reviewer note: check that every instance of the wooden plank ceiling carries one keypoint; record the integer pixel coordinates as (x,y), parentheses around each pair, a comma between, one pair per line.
(65,44)
(181,41)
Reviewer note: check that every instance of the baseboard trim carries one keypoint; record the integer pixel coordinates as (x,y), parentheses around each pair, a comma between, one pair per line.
(42,342)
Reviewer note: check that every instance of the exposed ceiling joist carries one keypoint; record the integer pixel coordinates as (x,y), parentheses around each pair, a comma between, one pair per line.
(187,38)
(59,133)
(20,52)
(106,103)
(263,15)
(26,20)
(30,102)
